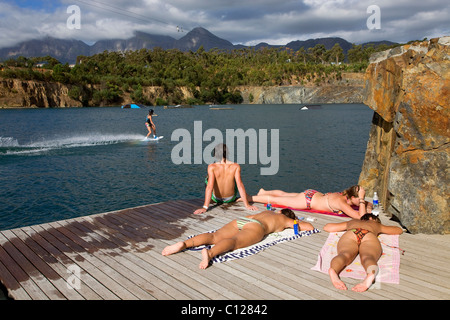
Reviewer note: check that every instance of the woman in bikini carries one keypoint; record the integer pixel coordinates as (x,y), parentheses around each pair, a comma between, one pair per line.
(150,125)
(311,199)
(239,233)
(361,237)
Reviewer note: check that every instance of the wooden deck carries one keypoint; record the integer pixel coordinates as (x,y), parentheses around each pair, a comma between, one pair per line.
(118,256)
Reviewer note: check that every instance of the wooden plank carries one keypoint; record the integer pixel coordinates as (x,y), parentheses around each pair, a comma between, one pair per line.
(120,272)
(21,269)
(87,261)
(88,282)
(50,267)
(119,256)
(90,275)
(181,276)
(132,222)
(13,287)
(162,212)
(145,270)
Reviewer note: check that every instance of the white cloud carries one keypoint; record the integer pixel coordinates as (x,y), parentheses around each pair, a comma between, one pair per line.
(247,22)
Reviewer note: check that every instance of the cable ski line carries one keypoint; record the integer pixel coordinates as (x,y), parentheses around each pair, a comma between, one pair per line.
(123,12)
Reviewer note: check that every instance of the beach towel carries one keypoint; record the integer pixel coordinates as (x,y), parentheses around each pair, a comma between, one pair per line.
(389,263)
(339,214)
(268,241)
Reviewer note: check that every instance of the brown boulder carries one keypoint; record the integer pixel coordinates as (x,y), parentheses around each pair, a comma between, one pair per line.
(407,154)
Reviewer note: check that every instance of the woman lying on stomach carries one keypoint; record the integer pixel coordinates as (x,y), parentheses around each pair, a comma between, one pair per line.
(239,233)
(311,199)
(361,237)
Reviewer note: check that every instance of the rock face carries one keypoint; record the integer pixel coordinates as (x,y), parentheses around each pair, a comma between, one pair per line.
(349,89)
(407,157)
(296,94)
(22,93)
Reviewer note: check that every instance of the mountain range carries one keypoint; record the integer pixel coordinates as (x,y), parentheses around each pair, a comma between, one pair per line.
(69,50)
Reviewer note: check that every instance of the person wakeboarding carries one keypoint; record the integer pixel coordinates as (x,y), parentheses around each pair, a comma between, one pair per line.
(150,125)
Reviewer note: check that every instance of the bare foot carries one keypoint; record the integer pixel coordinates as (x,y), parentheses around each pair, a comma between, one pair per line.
(205,259)
(261,192)
(337,282)
(363,286)
(372,272)
(174,248)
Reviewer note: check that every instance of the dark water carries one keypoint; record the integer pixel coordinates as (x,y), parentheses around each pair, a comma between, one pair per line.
(63,163)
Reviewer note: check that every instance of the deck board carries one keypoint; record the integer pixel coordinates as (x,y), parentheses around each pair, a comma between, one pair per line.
(119,256)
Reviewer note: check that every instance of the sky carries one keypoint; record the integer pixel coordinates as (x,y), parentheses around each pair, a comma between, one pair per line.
(247,22)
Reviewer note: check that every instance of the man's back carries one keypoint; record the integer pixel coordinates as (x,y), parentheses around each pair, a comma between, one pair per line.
(224,174)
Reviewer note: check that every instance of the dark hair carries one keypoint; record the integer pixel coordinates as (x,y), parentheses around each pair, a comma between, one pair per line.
(220,151)
(288,213)
(369,216)
(150,112)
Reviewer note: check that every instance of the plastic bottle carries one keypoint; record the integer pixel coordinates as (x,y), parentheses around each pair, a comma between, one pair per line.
(295,226)
(269,205)
(376,205)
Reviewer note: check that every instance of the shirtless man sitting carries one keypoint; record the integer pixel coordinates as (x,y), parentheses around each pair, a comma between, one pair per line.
(223,181)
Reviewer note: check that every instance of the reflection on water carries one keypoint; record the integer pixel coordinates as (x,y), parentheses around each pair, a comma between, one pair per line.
(62,163)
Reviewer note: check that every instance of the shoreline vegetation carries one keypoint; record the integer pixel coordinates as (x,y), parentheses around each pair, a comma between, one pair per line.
(193,78)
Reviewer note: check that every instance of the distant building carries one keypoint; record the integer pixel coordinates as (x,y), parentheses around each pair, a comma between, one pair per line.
(40,64)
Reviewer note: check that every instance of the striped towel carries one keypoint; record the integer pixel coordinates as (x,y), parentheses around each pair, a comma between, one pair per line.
(389,262)
(268,241)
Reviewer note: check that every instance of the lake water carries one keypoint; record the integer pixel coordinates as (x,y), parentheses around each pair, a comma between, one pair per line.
(63,163)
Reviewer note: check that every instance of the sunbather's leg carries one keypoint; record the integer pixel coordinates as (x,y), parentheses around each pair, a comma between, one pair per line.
(226,231)
(205,259)
(222,246)
(201,239)
(369,252)
(347,249)
(298,201)
(250,234)
(278,193)
(277,197)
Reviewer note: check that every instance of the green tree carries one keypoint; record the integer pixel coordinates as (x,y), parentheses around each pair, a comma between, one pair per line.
(355,54)
(318,53)
(336,54)
(81,94)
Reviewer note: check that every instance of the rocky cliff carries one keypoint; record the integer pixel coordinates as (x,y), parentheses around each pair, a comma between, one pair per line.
(407,157)
(348,89)
(18,93)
